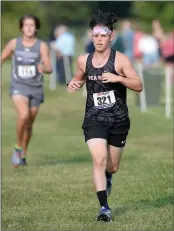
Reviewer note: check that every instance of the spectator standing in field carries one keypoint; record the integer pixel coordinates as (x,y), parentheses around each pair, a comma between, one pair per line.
(89,46)
(128,38)
(117,43)
(65,51)
(149,48)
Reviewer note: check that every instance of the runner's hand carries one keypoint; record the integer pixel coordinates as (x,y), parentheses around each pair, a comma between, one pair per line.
(40,68)
(108,77)
(74,85)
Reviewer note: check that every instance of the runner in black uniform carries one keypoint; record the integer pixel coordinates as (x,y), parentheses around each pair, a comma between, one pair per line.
(106,124)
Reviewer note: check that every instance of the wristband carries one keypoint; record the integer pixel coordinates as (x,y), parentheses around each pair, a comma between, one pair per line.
(68,83)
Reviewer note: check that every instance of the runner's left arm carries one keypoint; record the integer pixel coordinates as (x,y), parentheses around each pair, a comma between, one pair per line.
(131,79)
(46,67)
(127,76)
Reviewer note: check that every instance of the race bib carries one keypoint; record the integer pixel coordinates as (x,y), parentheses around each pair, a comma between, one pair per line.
(104,99)
(26,71)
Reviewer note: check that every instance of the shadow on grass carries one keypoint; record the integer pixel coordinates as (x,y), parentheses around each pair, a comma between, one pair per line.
(143,204)
(70,160)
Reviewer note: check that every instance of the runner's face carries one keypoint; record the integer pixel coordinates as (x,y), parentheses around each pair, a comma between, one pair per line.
(29,27)
(101,37)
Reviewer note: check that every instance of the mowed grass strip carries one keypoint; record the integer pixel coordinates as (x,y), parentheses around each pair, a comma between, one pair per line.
(55,191)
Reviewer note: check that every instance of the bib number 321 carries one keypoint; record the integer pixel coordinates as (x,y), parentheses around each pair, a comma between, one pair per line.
(104,99)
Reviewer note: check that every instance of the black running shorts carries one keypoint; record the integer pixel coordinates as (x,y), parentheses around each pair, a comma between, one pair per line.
(115,133)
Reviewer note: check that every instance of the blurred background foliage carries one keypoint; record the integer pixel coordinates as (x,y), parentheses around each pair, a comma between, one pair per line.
(77,14)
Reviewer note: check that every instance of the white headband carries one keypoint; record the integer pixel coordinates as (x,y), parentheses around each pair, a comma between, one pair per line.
(101,30)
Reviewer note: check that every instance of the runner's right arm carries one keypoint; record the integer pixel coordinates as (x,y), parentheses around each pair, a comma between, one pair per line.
(79,79)
(8,50)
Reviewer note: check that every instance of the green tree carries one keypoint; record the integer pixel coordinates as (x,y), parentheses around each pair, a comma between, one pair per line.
(13,11)
(75,14)
(146,12)
(69,12)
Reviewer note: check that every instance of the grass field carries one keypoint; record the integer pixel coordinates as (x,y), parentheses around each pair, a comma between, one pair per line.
(55,191)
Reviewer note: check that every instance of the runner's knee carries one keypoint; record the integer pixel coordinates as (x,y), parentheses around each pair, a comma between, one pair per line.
(23,117)
(113,169)
(99,161)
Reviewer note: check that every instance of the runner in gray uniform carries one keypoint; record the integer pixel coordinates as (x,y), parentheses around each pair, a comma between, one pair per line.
(30,59)
(106,124)
(25,78)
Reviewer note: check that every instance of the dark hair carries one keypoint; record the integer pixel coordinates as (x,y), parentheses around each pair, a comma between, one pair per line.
(106,19)
(30,16)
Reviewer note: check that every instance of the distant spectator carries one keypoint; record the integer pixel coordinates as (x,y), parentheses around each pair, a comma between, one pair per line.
(65,49)
(157,30)
(158,33)
(52,36)
(89,47)
(128,38)
(149,48)
(118,43)
(138,34)
(167,50)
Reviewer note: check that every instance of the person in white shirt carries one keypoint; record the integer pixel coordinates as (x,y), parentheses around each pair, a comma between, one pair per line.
(149,48)
(64,46)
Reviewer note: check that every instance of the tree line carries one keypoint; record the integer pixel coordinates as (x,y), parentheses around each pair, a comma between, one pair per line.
(77,14)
